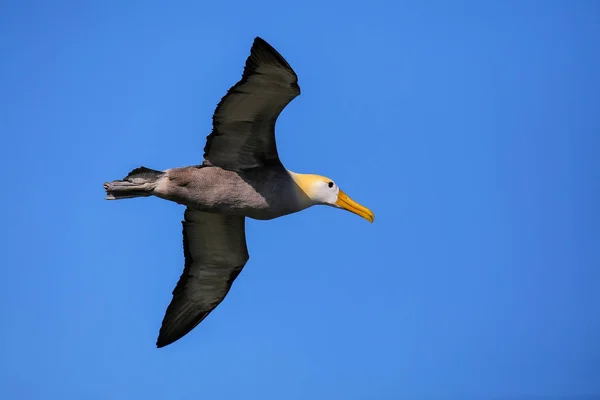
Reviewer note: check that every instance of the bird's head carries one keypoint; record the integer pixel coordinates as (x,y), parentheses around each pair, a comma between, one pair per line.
(322,190)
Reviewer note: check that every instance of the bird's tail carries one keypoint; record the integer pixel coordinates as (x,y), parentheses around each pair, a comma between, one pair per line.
(138,183)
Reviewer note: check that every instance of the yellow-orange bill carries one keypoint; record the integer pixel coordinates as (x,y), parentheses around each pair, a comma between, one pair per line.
(347,203)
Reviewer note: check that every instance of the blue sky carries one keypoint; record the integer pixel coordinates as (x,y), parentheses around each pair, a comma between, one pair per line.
(470,128)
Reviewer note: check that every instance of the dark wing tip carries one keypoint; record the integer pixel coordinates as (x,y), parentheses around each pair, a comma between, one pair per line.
(167,336)
(260,41)
(177,324)
(262,53)
(165,339)
(161,342)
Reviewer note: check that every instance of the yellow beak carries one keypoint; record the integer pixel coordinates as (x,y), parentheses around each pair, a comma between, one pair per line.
(347,203)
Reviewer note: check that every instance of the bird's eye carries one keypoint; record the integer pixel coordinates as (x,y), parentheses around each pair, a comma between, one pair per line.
(330,184)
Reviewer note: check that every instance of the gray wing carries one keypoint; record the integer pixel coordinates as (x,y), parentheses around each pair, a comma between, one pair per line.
(215,252)
(243,134)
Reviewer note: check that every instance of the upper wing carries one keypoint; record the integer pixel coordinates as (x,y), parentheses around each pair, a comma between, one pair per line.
(215,252)
(243,133)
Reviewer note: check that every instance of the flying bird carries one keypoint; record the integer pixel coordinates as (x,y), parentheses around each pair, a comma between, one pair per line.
(240,177)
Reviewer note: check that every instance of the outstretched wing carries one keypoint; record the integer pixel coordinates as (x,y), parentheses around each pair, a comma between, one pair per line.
(243,133)
(215,252)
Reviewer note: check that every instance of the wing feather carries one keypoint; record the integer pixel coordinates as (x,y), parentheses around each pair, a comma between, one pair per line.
(243,134)
(215,252)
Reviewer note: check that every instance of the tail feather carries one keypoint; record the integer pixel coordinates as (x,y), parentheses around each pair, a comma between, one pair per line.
(143,173)
(138,183)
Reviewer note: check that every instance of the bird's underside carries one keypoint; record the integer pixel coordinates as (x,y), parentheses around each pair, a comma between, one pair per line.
(219,198)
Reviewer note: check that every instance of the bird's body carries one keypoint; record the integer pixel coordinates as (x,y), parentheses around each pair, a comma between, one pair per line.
(241,176)
(260,193)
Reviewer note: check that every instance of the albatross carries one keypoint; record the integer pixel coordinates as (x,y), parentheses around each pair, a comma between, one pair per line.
(240,177)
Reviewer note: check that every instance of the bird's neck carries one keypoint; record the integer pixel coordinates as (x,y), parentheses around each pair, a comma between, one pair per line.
(304,185)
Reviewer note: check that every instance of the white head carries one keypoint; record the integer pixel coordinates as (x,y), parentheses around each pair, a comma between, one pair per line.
(322,190)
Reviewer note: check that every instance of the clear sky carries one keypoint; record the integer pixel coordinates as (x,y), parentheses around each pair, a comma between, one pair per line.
(471,129)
